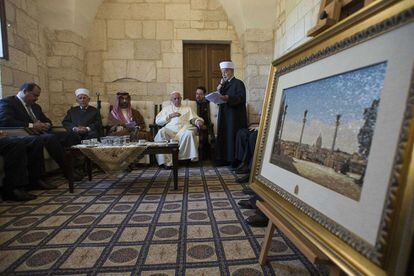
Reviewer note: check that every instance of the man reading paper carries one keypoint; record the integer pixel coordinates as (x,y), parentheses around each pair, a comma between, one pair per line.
(232,114)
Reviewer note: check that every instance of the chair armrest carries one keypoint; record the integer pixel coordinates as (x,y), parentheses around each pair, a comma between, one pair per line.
(58,129)
(153,129)
(15,131)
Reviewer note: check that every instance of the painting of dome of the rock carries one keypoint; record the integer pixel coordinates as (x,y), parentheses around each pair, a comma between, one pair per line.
(325,128)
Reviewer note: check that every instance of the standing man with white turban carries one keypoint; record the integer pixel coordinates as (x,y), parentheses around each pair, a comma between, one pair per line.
(83,120)
(232,114)
(179,123)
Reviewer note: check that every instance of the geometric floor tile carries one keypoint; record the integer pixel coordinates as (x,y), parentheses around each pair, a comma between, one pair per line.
(137,224)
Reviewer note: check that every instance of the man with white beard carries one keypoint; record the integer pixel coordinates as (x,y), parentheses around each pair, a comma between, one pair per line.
(179,123)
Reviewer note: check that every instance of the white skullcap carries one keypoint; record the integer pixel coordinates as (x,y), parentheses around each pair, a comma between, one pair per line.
(175,92)
(81,91)
(226,65)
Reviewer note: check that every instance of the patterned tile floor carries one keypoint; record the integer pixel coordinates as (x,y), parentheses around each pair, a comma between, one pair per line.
(136,224)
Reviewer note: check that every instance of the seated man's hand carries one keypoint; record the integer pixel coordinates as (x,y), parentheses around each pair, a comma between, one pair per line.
(119,128)
(130,124)
(173,115)
(80,129)
(39,126)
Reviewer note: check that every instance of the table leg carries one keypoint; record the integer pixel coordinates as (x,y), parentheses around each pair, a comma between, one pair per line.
(175,167)
(89,168)
(69,169)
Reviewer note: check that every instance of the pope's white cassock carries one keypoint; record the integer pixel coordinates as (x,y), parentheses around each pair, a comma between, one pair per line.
(180,129)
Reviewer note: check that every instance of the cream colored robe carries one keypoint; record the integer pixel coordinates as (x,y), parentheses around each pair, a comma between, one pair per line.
(180,129)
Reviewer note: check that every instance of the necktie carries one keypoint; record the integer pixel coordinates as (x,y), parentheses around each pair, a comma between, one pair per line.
(31,114)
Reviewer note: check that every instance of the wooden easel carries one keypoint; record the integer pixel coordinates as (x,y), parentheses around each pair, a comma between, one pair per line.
(313,254)
(332,11)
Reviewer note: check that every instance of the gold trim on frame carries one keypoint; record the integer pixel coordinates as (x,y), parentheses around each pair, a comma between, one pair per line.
(349,252)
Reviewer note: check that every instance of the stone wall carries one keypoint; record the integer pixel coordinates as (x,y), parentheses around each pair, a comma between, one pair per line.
(258,45)
(27,50)
(66,70)
(293,20)
(138,47)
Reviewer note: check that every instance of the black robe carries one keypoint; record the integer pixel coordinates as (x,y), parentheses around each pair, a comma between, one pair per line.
(232,116)
(88,117)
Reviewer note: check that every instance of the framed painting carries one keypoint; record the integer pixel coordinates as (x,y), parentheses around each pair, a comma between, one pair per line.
(4,49)
(335,144)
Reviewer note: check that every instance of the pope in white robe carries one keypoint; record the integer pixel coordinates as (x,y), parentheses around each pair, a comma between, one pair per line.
(179,123)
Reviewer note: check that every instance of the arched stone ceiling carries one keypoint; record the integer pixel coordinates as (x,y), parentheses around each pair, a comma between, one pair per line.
(78,15)
(73,15)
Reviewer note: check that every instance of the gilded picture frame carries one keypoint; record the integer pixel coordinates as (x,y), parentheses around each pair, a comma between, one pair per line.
(363,233)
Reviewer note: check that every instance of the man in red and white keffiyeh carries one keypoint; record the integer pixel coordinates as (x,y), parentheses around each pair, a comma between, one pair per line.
(124,120)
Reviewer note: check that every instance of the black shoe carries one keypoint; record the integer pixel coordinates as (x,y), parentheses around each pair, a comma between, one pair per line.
(243,170)
(221,163)
(165,167)
(245,204)
(258,220)
(239,166)
(18,195)
(244,179)
(235,164)
(41,185)
(248,191)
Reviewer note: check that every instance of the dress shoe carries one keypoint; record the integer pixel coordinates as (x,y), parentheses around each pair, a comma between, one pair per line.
(243,170)
(257,220)
(248,191)
(234,167)
(244,179)
(245,204)
(18,195)
(41,185)
(221,163)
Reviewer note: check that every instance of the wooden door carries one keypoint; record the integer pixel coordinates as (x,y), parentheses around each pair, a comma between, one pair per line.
(201,66)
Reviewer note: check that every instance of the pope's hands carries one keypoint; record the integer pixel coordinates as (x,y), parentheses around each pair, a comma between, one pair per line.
(173,115)
(199,124)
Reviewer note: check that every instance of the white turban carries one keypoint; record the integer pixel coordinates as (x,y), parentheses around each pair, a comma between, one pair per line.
(81,91)
(226,65)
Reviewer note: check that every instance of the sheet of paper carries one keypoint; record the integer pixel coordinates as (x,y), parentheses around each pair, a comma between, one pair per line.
(214,97)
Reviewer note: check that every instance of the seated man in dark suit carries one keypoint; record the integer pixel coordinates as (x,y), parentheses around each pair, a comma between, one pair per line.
(22,167)
(245,146)
(83,120)
(203,110)
(22,111)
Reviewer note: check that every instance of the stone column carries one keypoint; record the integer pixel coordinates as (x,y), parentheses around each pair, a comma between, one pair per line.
(66,71)
(258,53)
